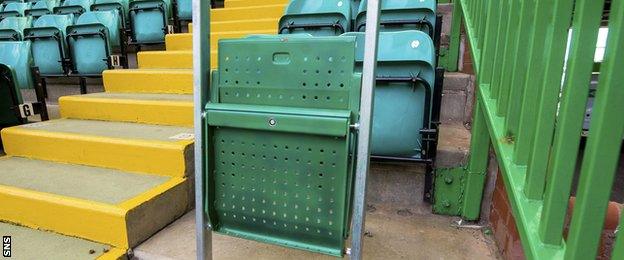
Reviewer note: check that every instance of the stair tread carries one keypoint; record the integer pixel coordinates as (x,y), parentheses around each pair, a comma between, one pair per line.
(76,181)
(137,96)
(119,130)
(46,245)
(151,71)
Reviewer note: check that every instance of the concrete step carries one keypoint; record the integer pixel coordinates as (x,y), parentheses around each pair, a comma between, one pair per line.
(184,41)
(48,245)
(157,109)
(155,149)
(172,81)
(242,13)
(102,205)
(247,3)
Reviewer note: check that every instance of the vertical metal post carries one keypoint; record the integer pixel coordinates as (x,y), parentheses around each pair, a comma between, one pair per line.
(201,83)
(366,114)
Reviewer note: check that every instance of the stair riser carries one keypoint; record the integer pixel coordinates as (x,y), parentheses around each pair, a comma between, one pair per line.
(233,14)
(150,61)
(184,42)
(146,82)
(169,159)
(134,111)
(248,3)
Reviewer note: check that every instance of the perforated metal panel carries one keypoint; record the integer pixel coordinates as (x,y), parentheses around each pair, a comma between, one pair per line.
(279,140)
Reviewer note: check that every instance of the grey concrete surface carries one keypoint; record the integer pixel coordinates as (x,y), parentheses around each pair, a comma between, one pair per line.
(457,100)
(392,233)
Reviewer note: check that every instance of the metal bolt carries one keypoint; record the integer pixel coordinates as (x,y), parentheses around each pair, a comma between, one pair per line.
(448,180)
(272,122)
(446,203)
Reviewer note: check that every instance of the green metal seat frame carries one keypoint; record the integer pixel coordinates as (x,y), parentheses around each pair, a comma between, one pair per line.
(48,43)
(402,15)
(280,142)
(92,40)
(149,21)
(319,18)
(14,9)
(12,28)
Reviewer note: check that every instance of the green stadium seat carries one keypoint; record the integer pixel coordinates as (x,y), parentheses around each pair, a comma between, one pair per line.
(121,6)
(279,140)
(48,43)
(14,10)
(91,41)
(75,7)
(184,10)
(403,94)
(149,20)
(402,15)
(12,28)
(17,56)
(42,7)
(319,18)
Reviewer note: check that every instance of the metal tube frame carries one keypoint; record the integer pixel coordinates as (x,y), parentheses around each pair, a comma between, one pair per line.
(201,83)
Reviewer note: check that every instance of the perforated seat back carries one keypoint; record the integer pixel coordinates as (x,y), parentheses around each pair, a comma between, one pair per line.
(42,7)
(149,20)
(97,34)
(399,15)
(279,141)
(14,10)
(406,77)
(319,18)
(12,28)
(48,42)
(17,56)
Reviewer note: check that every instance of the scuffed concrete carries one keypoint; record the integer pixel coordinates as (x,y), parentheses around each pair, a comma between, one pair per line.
(393,233)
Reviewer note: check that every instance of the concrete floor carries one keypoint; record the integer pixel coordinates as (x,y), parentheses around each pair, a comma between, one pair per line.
(393,233)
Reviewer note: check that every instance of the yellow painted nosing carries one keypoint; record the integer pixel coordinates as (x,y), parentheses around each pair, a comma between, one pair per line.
(114,254)
(157,112)
(69,216)
(151,194)
(173,81)
(143,156)
(165,59)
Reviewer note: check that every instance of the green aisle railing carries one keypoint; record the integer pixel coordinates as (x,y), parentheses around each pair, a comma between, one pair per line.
(531,103)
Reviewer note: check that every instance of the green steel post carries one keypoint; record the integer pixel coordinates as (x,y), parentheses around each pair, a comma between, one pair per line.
(500,50)
(489,45)
(535,68)
(452,57)
(603,146)
(510,48)
(554,55)
(587,18)
(477,165)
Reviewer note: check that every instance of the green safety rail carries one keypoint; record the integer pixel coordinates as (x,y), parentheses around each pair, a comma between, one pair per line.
(531,112)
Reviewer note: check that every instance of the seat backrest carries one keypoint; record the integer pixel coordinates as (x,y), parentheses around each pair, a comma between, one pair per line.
(319,18)
(404,93)
(279,140)
(75,7)
(120,5)
(148,20)
(12,28)
(14,9)
(166,5)
(108,19)
(92,39)
(17,56)
(42,7)
(399,15)
(48,42)
(184,9)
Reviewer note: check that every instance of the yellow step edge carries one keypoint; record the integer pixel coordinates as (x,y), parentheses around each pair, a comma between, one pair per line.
(241,13)
(156,112)
(114,254)
(165,59)
(146,156)
(242,25)
(248,3)
(95,221)
(184,41)
(174,81)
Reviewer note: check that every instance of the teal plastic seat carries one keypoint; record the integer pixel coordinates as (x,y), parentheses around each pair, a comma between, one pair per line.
(91,41)
(280,142)
(319,18)
(355,8)
(12,28)
(121,6)
(149,20)
(48,43)
(75,7)
(404,92)
(399,15)
(42,7)
(184,10)
(18,57)
(14,10)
